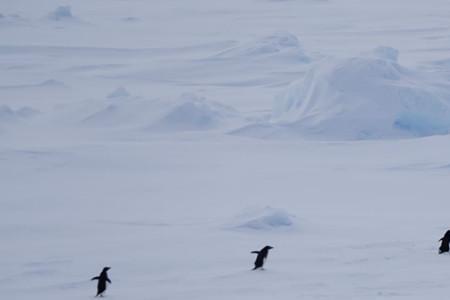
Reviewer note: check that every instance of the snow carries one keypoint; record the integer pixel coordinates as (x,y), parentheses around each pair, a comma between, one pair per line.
(362,98)
(168,139)
(119,93)
(11,19)
(188,112)
(386,53)
(61,13)
(7,114)
(192,112)
(278,46)
(265,219)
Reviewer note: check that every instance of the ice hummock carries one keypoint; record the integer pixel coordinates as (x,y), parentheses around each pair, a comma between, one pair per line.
(265,219)
(370,96)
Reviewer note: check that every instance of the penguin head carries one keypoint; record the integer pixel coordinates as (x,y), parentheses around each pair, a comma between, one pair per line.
(267,248)
(106,269)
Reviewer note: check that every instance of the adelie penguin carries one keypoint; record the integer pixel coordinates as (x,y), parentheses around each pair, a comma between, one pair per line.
(102,279)
(445,240)
(261,257)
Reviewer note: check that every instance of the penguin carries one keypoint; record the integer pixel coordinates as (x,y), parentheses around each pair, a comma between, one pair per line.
(261,257)
(102,279)
(445,240)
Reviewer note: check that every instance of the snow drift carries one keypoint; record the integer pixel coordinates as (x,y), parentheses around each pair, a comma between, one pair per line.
(11,19)
(188,113)
(62,13)
(47,84)
(7,114)
(280,45)
(119,93)
(194,113)
(365,97)
(10,117)
(268,218)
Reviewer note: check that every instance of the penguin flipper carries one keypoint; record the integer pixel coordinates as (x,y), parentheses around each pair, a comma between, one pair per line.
(255,252)
(95,278)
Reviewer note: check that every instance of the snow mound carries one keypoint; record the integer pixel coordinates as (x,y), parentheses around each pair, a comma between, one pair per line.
(107,116)
(267,130)
(7,114)
(11,19)
(130,19)
(386,53)
(187,113)
(281,45)
(266,219)
(193,113)
(61,13)
(367,97)
(119,93)
(52,83)
(130,113)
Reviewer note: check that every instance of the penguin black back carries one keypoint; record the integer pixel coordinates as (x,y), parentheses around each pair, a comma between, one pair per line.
(445,240)
(261,257)
(102,279)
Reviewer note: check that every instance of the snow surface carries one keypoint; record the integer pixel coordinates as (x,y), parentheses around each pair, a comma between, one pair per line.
(168,139)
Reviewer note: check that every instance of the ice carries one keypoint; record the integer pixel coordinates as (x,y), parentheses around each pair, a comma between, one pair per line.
(119,93)
(130,19)
(119,113)
(7,114)
(11,19)
(192,112)
(362,97)
(386,53)
(280,45)
(52,83)
(61,13)
(266,219)
(188,112)
(11,118)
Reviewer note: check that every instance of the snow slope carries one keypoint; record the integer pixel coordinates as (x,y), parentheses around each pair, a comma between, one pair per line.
(130,137)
